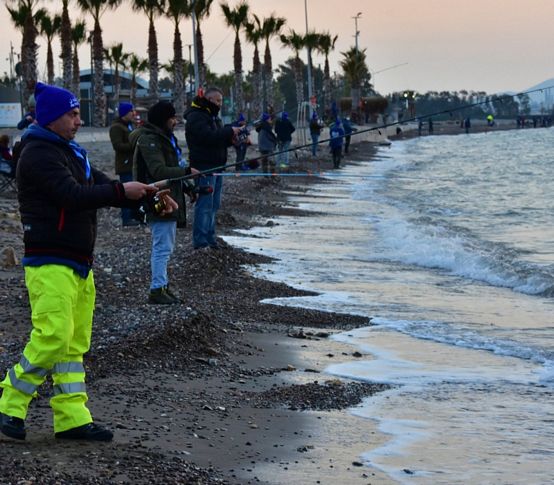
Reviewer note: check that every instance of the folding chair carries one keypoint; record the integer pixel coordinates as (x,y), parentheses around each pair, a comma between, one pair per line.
(7,176)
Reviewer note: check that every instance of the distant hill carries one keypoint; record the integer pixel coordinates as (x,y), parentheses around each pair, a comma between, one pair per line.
(542,100)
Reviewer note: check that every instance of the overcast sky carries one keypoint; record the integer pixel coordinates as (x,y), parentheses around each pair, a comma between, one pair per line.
(483,45)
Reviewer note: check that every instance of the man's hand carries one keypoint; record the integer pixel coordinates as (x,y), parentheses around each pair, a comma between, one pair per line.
(169,204)
(138,190)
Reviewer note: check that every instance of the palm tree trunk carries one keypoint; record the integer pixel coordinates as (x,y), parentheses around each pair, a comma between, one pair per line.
(327,84)
(178,92)
(268,77)
(200,50)
(66,48)
(99,116)
(117,82)
(299,79)
(133,89)
(237,56)
(355,93)
(50,63)
(153,90)
(75,80)
(257,82)
(29,57)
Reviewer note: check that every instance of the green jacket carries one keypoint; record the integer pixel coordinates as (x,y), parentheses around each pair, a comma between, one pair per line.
(119,136)
(154,159)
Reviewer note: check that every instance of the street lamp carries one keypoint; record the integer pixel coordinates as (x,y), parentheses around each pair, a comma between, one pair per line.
(312,108)
(196,72)
(190,72)
(358,15)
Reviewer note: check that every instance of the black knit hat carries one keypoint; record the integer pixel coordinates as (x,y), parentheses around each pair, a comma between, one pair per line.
(160,113)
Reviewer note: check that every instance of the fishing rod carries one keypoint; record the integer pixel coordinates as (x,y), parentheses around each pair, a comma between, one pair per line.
(167,182)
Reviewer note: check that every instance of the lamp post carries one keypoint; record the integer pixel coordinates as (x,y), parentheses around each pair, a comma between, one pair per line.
(356,17)
(196,71)
(312,108)
(190,72)
(91,96)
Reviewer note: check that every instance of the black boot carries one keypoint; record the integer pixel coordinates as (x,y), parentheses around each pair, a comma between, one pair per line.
(88,432)
(12,426)
(159,296)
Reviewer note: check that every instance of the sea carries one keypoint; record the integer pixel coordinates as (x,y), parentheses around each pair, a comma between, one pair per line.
(447,244)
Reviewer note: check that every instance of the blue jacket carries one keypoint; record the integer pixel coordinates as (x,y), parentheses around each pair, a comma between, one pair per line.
(336,134)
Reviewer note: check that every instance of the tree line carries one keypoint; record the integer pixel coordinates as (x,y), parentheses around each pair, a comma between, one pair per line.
(255,89)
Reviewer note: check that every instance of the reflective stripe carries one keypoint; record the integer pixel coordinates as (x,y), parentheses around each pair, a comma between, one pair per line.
(23,386)
(29,368)
(65,367)
(69,388)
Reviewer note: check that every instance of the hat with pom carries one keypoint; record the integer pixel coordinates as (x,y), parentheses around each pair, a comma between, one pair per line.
(241,118)
(284,116)
(159,113)
(52,103)
(265,117)
(124,108)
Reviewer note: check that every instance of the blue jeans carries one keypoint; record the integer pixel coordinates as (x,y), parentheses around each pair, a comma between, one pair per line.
(284,158)
(126,213)
(315,139)
(205,210)
(163,242)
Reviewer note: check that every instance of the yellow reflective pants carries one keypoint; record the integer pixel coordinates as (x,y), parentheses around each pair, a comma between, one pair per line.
(62,305)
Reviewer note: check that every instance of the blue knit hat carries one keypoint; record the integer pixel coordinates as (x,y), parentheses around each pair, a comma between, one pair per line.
(53,102)
(124,108)
(265,117)
(241,118)
(284,116)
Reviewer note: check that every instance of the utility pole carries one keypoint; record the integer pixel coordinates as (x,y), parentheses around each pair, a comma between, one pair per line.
(191,92)
(358,15)
(312,109)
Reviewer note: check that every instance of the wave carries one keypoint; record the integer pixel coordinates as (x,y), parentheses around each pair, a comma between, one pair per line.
(426,243)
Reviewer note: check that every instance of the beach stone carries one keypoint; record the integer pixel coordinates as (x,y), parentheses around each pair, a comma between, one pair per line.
(8,257)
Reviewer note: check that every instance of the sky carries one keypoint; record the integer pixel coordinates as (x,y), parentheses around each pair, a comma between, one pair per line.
(422,45)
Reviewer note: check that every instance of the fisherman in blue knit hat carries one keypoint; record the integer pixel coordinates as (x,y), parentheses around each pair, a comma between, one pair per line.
(241,146)
(121,127)
(284,130)
(58,194)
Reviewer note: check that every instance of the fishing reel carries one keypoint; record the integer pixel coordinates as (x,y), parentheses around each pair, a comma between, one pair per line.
(153,204)
(242,136)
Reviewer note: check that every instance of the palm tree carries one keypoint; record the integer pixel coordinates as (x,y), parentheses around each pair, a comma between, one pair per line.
(66,46)
(254,35)
(136,66)
(271,27)
(152,8)
(118,59)
(236,19)
(201,10)
(176,10)
(311,42)
(97,8)
(78,36)
(49,26)
(295,41)
(356,72)
(326,45)
(25,17)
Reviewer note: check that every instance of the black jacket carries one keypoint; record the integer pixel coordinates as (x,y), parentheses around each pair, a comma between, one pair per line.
(58,203)
(207,138)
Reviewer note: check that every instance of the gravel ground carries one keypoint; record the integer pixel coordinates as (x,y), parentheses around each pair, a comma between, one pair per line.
(183,363)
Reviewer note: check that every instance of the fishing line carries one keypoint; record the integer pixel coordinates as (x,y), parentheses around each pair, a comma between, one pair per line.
(211,171)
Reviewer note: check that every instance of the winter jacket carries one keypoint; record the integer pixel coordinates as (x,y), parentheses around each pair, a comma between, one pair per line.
(336,134)
(119,136)
(154,159)
(284,129)
(207,138)
(59,193)
(266,138)
(315,127)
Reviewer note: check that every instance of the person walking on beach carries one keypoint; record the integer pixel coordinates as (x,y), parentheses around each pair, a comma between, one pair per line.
(267,141)
(241,146)
(208,141)
(157,156)
(284,130)
(348,130)
(59,192)
(121,127)
(336,135)
(315,131)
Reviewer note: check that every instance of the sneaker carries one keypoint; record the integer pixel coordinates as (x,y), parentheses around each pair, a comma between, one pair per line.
(12,426)
(159,296)
(89,432)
